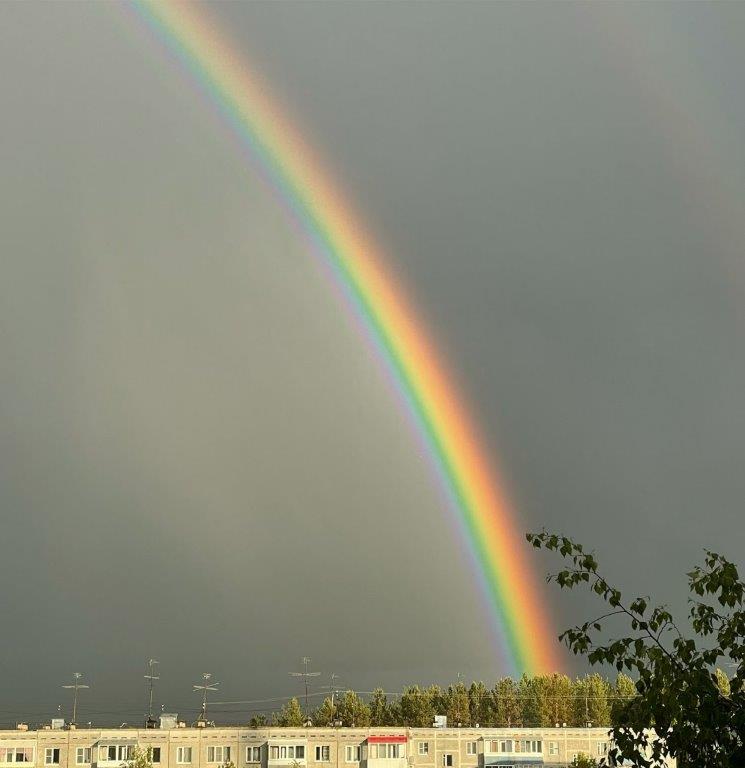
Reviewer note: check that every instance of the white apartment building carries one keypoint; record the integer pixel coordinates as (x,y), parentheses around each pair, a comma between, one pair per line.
(182,747)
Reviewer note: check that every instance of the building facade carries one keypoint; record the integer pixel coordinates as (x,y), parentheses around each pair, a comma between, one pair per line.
(211,747)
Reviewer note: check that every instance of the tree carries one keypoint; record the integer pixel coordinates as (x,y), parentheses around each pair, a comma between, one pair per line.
(416,708)
(507,711)
(457,706)
(325,714)
(438,699)
(395,717)
(141,758)
(290,716)
(258,721)
(352,711)
(530,700)
(479,704)
(584,761)
(591,701)
(380,711)
(679,693)
(624,691)
(559,700)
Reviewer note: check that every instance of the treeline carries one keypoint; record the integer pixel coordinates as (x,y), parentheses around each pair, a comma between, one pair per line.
(531,701)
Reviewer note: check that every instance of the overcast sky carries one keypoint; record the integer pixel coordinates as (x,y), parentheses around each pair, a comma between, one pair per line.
(199,460)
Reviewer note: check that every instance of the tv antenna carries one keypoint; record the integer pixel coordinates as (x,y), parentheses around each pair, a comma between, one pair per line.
(206,686)
(333,688)
(151,677)
(75,687)
(305,675)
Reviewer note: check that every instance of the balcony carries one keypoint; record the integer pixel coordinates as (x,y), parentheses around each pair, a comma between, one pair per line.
(387,751)
(287,754)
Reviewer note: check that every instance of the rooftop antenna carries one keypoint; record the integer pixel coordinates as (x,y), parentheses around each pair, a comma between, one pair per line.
(334,676)
(305,675)
(151,677)
(206,686)
(75,687)
(333,688)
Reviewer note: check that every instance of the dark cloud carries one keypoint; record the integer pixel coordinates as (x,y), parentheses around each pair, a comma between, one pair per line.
(199,460)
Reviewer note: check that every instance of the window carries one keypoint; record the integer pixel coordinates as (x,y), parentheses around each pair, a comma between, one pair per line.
(154,754)
(253,754)
(553,747)
(323,753)
(423,747)
(353,753)
(114,753)
(82,755)
(183,755)
(531,745)
(447,760)
(51,756)
(16,755)
(471,748)
(506,745)
(218,754)
(602,748)
(388,751)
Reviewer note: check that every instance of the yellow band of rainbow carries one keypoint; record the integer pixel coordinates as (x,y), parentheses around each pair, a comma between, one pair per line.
(518,615)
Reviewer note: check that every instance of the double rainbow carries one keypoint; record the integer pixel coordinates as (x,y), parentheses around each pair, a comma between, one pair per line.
(516,612)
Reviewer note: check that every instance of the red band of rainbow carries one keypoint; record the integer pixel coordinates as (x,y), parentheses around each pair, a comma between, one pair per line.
(518,615)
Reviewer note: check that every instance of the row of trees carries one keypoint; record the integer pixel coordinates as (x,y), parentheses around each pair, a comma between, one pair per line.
(531,701)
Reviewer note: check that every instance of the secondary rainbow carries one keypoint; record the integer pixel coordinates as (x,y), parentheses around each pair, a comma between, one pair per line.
(518,615)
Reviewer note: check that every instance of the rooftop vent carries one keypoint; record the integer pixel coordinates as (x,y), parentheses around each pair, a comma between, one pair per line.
(168,721)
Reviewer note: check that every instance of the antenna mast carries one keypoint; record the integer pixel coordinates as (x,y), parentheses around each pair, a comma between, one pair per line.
(151,677)
(305,675)
(75,687)
(206,686)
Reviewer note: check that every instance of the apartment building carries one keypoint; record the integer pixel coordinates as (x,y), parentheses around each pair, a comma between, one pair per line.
(182,747)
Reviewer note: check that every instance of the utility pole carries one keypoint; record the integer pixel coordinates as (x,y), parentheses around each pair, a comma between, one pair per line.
(206,686)
(334,676)
(305,675)
(75,687)
(151,677)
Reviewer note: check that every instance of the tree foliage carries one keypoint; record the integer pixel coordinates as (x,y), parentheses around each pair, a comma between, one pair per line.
(325,714)
(537,701)
(290,716)
(479,704)
(584,761)
(141,758)
(258,721)
(380,710)
(507,706)
(351,711)
(457,705)
(679,693)
(416,708)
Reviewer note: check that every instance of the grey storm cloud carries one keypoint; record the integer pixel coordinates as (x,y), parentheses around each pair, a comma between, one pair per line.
(201,462)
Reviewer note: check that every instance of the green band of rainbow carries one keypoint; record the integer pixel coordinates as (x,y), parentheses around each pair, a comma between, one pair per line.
(517,613)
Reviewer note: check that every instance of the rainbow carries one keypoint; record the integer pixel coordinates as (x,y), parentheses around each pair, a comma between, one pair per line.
(516,612)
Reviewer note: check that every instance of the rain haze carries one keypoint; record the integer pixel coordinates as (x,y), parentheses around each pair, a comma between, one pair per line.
(201,460)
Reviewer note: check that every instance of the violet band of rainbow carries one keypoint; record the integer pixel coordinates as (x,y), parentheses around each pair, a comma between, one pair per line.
(517,613)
